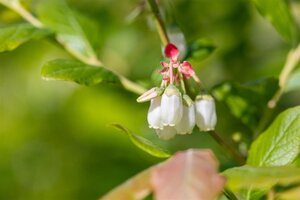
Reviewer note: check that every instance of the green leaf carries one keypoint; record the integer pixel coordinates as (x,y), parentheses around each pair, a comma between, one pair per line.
(200,49)
(70,70)
(278,13)
(15,35)
(260,177)
(280,143)
(76,37)
(143,143)
(247,101)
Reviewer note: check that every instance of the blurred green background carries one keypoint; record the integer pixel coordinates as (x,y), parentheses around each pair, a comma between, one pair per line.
(56,141)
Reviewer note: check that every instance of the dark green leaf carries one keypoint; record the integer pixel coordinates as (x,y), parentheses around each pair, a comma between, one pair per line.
(13,36)
(70,70)
(200,49)
(260,177)
(247,102)
(278,13)
(280,143)
(76,37)
(143,143)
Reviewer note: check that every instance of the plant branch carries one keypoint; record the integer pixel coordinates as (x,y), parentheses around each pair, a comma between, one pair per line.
(159,23)
(127,84)
(18,8)
(291,62)
(235,154)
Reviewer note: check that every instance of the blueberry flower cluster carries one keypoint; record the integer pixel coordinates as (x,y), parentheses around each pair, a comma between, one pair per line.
(171,110)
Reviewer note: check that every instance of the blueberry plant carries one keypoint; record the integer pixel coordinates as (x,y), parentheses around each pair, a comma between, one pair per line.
(180,104)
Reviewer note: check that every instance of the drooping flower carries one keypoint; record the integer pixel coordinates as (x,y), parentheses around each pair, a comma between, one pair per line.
(166,133)
(188,121)
(154,113)
(171,106)
(206,117)
(173,112)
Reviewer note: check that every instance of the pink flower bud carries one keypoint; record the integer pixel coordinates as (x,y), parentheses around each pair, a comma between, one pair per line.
(177,37)
(171,52)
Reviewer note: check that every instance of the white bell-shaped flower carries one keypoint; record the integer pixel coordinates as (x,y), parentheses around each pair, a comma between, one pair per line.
(206,117)
(188,121)
(166,133)
(171,106)
(154,113)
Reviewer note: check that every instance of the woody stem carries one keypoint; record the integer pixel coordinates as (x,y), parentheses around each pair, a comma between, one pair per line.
(159,22)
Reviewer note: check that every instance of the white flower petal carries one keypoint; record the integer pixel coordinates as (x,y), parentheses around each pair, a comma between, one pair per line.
(166,133)
(188,121)
(154,114)
(206,117)
(171,106)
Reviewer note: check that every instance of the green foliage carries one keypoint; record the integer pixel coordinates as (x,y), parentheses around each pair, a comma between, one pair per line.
(280,143)
(143,143)
(70,70)
(15,35)
(278,13)
(200,49)
(73,31)
(246,102)
(29,108)
(260,177)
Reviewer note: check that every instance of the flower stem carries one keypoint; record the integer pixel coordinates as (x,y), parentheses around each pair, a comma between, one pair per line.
(182,82)
(159,23)
(235,154)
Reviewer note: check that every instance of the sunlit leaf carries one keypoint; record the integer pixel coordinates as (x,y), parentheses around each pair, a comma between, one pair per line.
(280,143)
(260,177)
(192,174)
(137,187)
(247,101)
(278,13)
(57,16)
(70,70)
(143,143)
(15,35)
